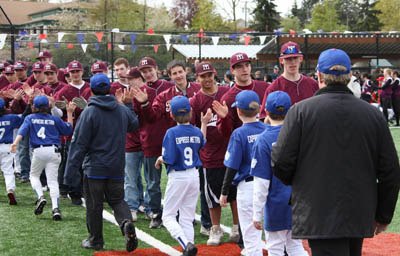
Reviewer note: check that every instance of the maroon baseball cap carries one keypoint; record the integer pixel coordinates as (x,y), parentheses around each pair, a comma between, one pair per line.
(239,57)
(9,70)
(133,73)
(290,49)
(50,68)
(99,66)
(147,62)
(3,65)
(203,68)
(44,54)
(37,66)
(19,65)
(74,65)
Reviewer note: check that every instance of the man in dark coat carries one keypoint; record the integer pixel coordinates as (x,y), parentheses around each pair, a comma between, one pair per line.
(338,154)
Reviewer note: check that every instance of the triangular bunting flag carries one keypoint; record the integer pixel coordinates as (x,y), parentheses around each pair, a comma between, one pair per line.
(184,38)
(84,47)
(156,48)
(168,46)
(167,38)
(57,45)
(60,36)
(121,46)
(233,36)
(99,36)
(150,31)
(70,46)
(109,46)
(3,38)
(22,33)
(133,48)
(30,45)
(215,39)
(292,32)
(42,36)
(133,38)
(97,46)
(247,40)
(80,37)
(262,39)
(201,33)
(16,45)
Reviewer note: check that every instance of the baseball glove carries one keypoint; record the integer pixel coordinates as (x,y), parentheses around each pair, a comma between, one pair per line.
(80,102)
(60,104)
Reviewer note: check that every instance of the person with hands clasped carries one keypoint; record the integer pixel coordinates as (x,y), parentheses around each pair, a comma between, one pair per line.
(44,132)
(269,191)
(180,154)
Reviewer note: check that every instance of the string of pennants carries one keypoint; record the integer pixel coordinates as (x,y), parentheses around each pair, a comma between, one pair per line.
(80,38)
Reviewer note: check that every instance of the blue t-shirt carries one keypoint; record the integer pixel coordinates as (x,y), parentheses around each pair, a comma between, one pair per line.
(277,211)
(7,125)
(181,146)
(44,129)
(238,154)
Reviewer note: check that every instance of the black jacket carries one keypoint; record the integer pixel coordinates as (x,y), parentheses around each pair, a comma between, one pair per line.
(338,154)
(99,140)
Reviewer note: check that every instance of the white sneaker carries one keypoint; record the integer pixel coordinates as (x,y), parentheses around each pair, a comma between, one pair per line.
(243,252)
(234,236)
(134,215)
(216,235)
(204,231)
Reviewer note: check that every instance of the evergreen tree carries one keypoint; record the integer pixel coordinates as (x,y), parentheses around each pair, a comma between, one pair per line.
(368,17)
(266,18)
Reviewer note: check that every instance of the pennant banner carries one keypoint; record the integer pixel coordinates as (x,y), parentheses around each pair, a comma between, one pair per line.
(109,46)
(262,39)
(156,48)
(121,46)
(99,36)
(168,46)
(247,40)
(84,47)
(3,38)
(57,45)
(167,38)
(133,48)
(292,32)
(30,45)
(60,36)
(42,36)
(97,47)
(80,37)
(70,46)
(215,39)
(133,38)
(22,33)
(233,36)
(16,45)
(150,31)
(184,38)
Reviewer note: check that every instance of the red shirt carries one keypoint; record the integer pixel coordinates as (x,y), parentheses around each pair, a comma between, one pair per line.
(31,80)
(232,121)
(3,82)
(299,90)
(212,154)
(115,86)
(54,88)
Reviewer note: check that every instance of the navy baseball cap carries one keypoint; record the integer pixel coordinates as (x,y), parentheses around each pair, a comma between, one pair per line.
(40,101)
(244,100)
(99,81)
(278,103)
(333,57)
(180,105)
(2,103)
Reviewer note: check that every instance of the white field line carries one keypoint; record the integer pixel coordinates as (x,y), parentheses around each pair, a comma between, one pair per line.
(143,236)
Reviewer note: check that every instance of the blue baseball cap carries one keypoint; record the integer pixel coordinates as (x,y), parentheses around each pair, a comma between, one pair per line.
(2,103)
(278,103)
(332,57)
(99,81)
(180,105)
(244,99)
(40,101)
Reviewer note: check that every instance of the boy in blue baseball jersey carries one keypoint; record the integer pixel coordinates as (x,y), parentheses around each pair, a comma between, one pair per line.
(237,161)
(44,131)
(8,122)
(180,153)
(269,191)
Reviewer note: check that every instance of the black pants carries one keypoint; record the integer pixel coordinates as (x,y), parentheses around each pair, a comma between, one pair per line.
(385,104)
(335,247)
(64,189)
(396,109)
(94,192)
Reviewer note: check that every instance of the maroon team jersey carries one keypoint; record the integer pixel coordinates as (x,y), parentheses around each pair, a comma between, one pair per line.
(232,121)
(152,133)
(16,85)
(212,154)
(43,87)
(115,86)
(299,90)
(31,80)
(3,82)
(54,88)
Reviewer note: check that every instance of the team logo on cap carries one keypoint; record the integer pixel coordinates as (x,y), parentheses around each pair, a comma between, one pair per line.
(40,54)
(144,62)
(96,66)
(206,67)
(8,69)
(239,57)
(74,65)
(47,67)
(37,65)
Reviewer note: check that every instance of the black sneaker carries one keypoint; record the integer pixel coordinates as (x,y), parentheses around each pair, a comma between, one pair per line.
(130,236)
(190,250)
(56,213)
(11,197)
(40,203)
(24,180)
(87,245)
(156,221)
(76,200)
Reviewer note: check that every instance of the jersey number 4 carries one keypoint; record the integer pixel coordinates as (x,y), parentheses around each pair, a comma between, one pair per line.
(41,133)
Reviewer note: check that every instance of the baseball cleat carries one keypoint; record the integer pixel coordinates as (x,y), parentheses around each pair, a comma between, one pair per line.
(130,236)
(40,203)
(11,197)
(190,250)
(56,214)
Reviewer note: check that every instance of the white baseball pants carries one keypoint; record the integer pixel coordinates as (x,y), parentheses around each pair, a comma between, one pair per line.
(46,158)
(181,195)
(6,163)
(251,236)
(279,240)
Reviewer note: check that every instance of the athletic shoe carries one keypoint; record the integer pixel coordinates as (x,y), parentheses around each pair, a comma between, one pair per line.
(216,235)
(56,213)
(134,215)
(75,200)
(141,209)
(156,221)
(204,231)
(40,203)
(87,245)
(234,236)
(130,236)
(11,197)
(190,250)
(24,180)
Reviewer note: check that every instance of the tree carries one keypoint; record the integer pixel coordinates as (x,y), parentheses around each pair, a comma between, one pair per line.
(207,19)
(291,22)
(368,18)
(389,14)
(163,20)
(348,11)
(72,19)
(229,7)
(265,16)
(325,16)
(183,12)
(304,13)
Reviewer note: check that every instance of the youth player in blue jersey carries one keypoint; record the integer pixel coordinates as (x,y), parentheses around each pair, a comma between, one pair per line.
(269,191)
(237,161)
(44,131)
(180,153)
(8,122)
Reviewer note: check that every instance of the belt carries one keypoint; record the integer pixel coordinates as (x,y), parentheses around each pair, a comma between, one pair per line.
(248,179)
(46,145)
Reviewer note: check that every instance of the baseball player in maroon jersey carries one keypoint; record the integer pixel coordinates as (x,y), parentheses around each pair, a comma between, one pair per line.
(212,155)
(121,67)
(9,74)
(241,68)
(99,67)
(53,84)
(298,86)
(20,70)
(4,82)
